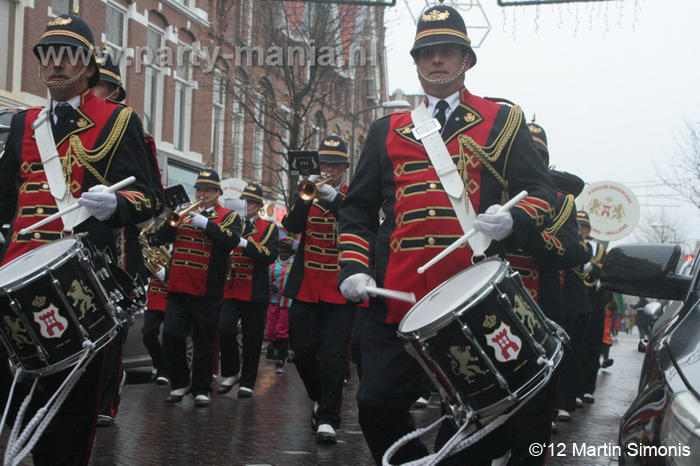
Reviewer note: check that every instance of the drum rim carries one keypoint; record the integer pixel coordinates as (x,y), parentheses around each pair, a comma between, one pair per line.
(40,271)
(429,329)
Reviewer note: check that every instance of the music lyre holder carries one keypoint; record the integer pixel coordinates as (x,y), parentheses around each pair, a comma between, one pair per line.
(303,163)
(175,195)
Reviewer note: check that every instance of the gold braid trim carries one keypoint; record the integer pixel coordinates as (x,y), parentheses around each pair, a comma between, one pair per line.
(563,216)
(89,156)
(492,153)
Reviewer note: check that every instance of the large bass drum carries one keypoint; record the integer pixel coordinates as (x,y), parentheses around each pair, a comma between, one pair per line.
(59,296)
(483,340)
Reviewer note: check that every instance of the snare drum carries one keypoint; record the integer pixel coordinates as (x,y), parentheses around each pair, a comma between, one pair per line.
(483,340)
(52,299)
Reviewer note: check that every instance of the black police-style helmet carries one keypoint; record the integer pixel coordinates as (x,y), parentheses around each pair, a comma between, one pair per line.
(333,150)
(583,219)
(109,72)
(540,137)
(441,24)
(252,192)
(73,31)
(208,178)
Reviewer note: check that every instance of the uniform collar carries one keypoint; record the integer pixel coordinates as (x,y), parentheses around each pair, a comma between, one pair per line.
(452,101)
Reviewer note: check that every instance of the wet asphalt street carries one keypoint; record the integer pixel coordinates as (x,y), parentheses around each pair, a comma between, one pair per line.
(272,428)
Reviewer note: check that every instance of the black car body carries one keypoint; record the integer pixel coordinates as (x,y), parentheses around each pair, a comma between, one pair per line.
(662,425)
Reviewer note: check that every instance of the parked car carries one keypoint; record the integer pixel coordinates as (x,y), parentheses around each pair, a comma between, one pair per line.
(662,425)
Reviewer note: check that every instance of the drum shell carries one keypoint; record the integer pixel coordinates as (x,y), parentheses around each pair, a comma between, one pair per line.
(455,349)
(69,298)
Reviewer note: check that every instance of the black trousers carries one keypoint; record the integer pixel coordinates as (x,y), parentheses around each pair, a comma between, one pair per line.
(570,364)
(391,382)
(112,374)
(152,320)
(252,316)
(199,316)
(68,438)
(590,353)
(320,335)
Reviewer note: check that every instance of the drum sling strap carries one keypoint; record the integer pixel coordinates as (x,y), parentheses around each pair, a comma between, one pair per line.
(427,130)
(54,171)
(21,441)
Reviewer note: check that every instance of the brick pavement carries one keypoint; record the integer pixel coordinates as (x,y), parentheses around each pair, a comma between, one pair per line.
(272,427)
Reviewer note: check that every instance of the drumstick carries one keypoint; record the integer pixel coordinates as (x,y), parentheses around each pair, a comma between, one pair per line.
(400,295)
(76,206)
(504,208)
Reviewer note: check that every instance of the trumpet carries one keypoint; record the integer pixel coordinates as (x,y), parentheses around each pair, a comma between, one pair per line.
(308,190)
(177,217)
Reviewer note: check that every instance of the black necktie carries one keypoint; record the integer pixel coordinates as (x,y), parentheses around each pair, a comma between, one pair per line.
(440,115)
(62,111)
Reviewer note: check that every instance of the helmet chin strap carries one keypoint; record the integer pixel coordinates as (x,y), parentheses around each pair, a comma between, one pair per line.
(65,81)
(434,82)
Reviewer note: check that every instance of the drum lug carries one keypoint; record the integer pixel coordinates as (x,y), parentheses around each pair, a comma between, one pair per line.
(505,301)
(502,382)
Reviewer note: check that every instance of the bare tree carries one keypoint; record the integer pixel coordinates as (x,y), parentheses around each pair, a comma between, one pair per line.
(683,176)
(307,66)
(661,226)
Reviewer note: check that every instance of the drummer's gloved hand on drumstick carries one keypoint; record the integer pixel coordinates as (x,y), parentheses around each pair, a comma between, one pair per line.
(99,203)
(354,288)
(493,224)
(198,220)
(160,274)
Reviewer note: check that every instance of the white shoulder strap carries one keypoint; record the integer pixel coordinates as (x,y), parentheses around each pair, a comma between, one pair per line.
(427,130)
(54,171)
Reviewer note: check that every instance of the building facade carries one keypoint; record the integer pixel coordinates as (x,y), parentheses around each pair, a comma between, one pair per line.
(216,82)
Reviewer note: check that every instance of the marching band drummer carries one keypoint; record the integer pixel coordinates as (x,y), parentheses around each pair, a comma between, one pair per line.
(202,243)
(495,158)
(99,143)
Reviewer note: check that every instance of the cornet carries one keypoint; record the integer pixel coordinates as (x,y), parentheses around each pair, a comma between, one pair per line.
(308,190)
(177,217)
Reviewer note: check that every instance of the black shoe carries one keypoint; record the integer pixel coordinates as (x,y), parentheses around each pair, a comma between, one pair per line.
(326,435)
(201,401)
(245,392)
(227,384)
(103,420)
(607,363)
(161,378)
(177,395)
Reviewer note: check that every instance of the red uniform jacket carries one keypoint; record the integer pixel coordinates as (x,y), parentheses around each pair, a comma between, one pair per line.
(249,279)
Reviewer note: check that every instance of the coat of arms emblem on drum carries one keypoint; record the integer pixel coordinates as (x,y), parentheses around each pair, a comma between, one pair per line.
(527,315)
(51,323)
(17,333)
(461,362)
(82,297)
(506,345)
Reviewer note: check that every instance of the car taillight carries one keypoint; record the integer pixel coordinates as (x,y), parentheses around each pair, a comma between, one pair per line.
(680,431)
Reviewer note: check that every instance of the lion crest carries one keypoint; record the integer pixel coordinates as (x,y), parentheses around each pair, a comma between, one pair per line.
(462,361)
(17,333)
(82,297)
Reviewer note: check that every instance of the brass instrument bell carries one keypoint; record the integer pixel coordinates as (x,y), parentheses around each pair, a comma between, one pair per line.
(177,217)
(308,190)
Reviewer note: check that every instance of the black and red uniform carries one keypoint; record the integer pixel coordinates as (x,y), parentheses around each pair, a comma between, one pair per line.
(195,293)
(102,143)
(246,296)
(320,318)
(496,157)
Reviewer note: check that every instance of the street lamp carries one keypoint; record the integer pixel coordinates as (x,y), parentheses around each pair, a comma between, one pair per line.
(356,117)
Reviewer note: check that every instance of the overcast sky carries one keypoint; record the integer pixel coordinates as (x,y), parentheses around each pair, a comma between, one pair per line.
(612,82)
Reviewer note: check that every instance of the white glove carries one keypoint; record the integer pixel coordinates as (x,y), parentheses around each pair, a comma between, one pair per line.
(99,203)
(160,274)
(355,286)
(243,243)
(198,220)
(588,267)
(494,225)
(327,193)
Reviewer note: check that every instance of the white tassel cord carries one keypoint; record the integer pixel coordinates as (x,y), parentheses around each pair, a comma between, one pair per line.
(19,445)
(459,442)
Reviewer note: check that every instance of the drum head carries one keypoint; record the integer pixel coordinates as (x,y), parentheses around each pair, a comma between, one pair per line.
(29,263)
(450,295)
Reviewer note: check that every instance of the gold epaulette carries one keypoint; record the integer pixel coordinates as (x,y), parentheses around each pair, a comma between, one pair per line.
(562,216)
